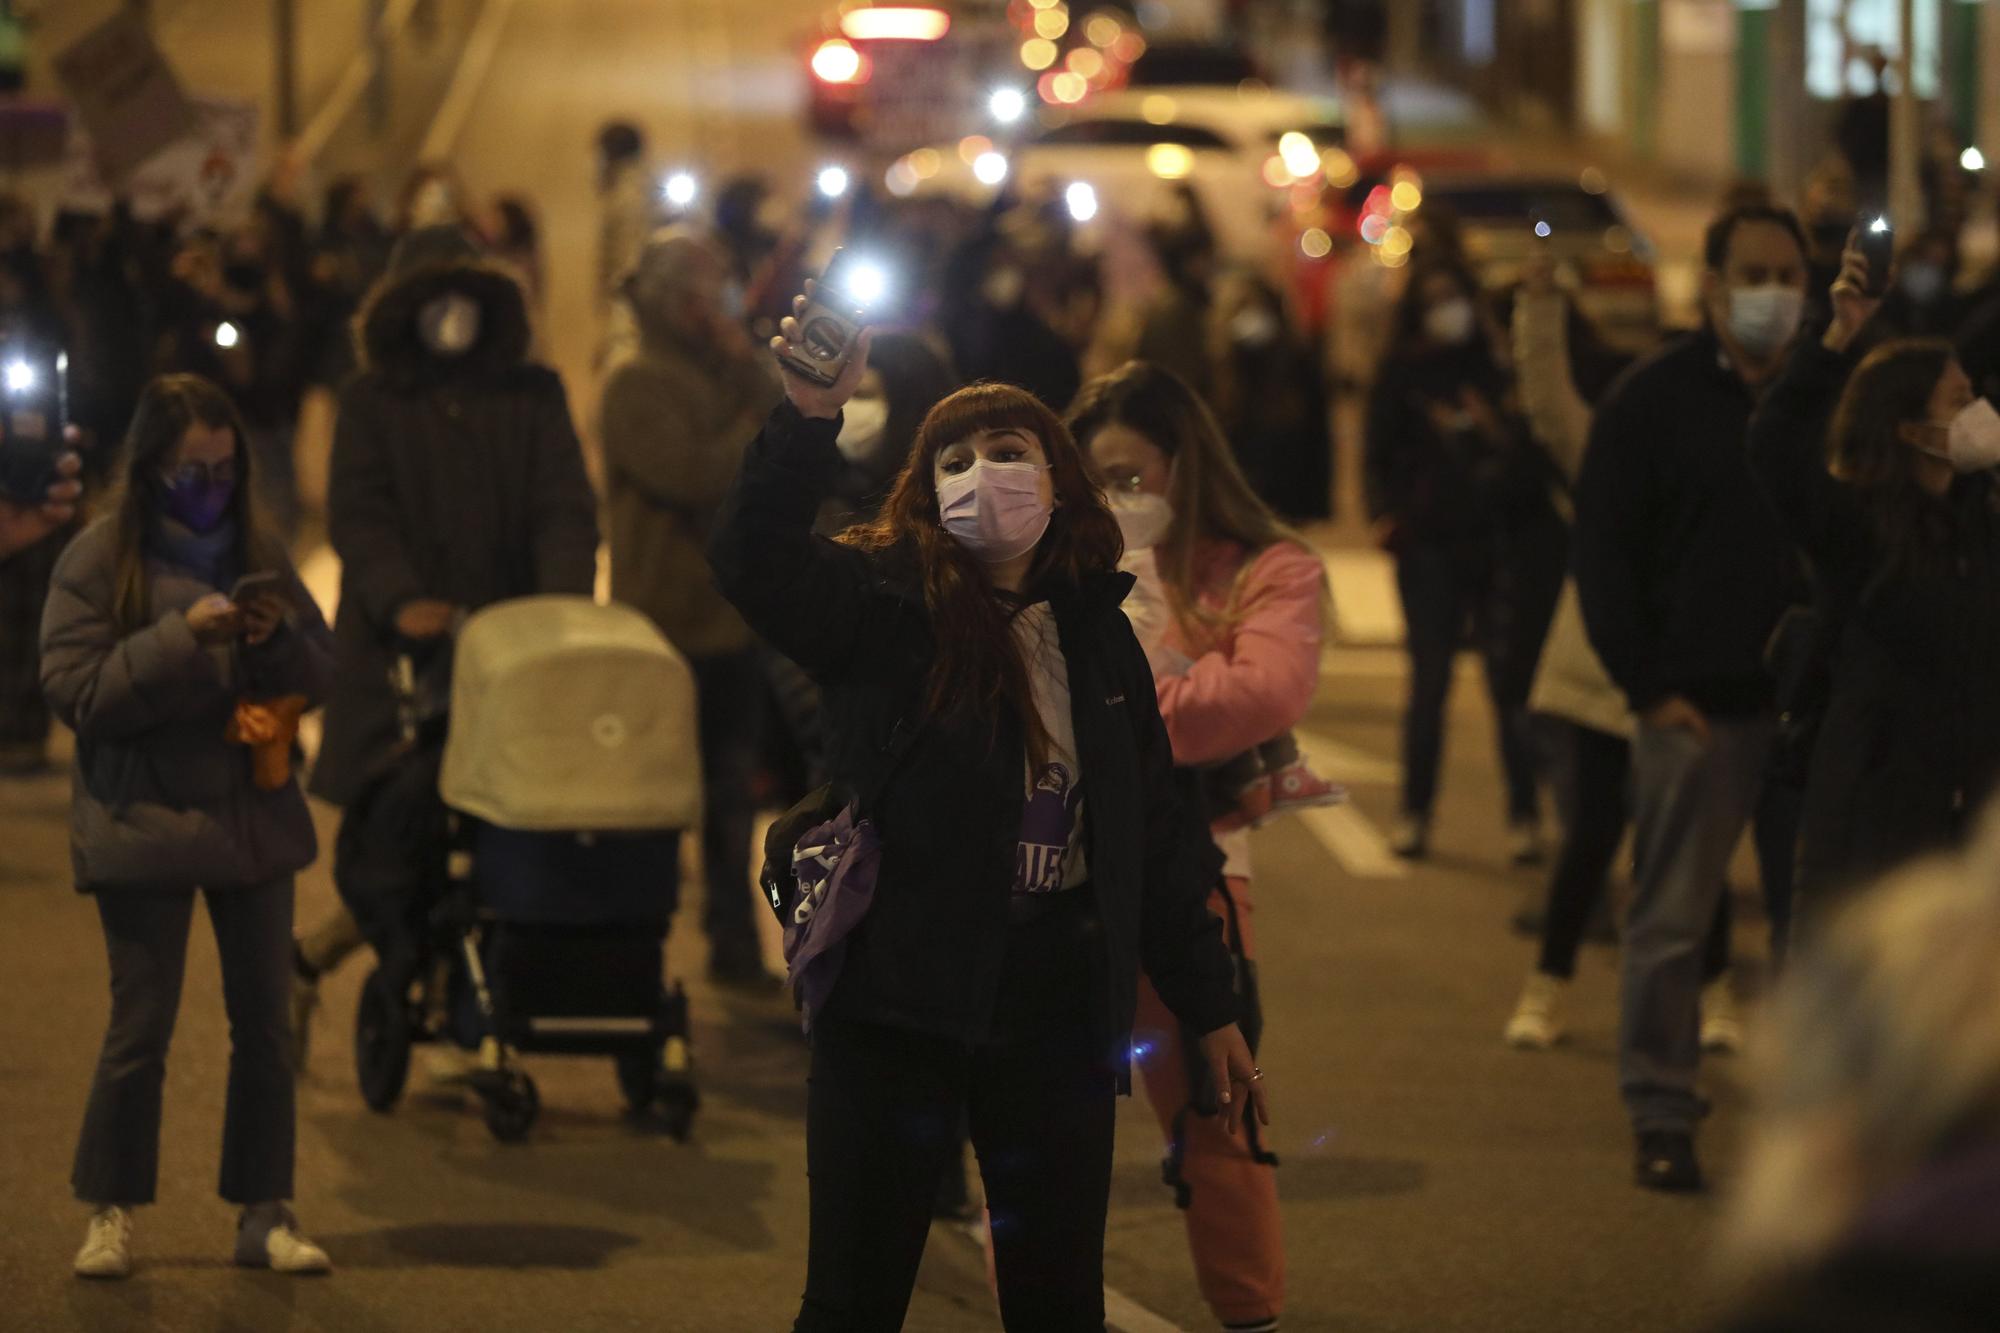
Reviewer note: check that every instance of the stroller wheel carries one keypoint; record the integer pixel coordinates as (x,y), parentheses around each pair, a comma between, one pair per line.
(381,1043)
(512,1107)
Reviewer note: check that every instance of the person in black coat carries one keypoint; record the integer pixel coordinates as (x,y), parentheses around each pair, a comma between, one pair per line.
(1460,493)
(1034,857)
(1895,508)
(457,482)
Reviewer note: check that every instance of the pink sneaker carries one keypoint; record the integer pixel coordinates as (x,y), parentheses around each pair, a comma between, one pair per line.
(1297,787)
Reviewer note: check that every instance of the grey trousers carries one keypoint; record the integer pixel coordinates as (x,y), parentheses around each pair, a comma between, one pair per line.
(146,933)
(1693,802)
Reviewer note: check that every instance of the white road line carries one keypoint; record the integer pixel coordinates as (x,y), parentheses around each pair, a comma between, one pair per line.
(467,80)
(1128,1316)
(1344,763)
(1355,842)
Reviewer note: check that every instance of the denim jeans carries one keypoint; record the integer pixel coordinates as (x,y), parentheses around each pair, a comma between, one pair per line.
(1693,802)
(146,933)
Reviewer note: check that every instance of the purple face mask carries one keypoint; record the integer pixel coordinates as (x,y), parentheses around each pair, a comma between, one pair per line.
(996,510)
(198,502)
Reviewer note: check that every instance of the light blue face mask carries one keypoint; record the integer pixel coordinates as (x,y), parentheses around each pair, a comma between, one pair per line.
(1763,319)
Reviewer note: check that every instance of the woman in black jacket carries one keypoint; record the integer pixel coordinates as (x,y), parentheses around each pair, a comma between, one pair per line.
(1894,504)
(1461,494)
(1033,857)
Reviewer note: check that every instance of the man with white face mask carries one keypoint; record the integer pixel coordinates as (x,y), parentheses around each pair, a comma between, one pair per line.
(676,420)
(1683,574)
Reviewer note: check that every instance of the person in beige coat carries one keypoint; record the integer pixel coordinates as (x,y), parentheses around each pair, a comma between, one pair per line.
(677,418)
(1593,725)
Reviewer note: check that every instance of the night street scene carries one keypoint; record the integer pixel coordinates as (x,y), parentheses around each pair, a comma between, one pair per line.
(1147,666)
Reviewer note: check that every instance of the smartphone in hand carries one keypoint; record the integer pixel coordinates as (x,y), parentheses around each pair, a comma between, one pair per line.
(253,586)
(839,307)
(1878,247)
(34,407)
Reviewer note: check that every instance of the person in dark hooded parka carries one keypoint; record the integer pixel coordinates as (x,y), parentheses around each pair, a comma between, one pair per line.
(457,481)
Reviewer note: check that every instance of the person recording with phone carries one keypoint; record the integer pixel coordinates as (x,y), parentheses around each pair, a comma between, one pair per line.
(185,702)
(984,686)
(1882,473)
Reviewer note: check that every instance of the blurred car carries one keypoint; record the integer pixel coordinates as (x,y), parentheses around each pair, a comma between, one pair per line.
(1241,150)
(896,75)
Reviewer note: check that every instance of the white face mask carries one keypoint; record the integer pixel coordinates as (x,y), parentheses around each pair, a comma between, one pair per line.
(1254,326)
(1763,319)
(861,424)
(1972,439)
(1452,323)
(449,324)
(1144,519)
(995,510)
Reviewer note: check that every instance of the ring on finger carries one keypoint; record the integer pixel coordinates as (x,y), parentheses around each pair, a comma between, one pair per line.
(1256,1075)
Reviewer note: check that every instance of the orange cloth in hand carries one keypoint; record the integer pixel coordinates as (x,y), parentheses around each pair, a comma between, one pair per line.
(268,727)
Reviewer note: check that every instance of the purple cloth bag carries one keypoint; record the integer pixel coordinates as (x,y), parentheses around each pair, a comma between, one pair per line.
(834,866)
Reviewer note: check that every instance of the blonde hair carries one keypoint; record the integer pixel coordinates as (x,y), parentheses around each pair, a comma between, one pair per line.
(1880,1057)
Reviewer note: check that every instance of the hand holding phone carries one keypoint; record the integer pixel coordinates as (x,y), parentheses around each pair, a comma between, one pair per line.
(263,600)
(808,393)
(835,310)
(34,409)
(1876,239)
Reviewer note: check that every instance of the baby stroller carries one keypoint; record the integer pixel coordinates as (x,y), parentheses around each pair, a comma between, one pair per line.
(543,825)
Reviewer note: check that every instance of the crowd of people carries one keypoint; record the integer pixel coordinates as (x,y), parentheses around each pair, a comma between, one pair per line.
(1029,575)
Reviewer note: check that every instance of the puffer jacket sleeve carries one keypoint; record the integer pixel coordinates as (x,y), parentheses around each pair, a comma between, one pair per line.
(562,507)
(1228,702)
(364,520)
(807,596)
(299,658)
(1180,940)
(108,686)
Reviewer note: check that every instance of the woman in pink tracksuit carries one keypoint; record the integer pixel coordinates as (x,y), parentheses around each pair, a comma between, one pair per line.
(1230,607)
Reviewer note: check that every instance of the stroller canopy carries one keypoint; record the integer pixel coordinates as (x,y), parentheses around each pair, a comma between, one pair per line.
(567,715)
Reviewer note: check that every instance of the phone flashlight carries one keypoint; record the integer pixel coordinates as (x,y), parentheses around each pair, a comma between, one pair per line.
(227,335)
(34,409)
(852,286)
(1878,247)
(833,182)
(680,189)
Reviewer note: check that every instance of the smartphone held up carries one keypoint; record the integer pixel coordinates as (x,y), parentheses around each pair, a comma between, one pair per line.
(1877,239)
(34,408)
(851,289)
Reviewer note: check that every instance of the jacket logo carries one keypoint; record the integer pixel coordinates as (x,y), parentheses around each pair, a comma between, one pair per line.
(1114,699)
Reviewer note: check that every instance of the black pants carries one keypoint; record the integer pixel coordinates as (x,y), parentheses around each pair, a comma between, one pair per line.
(882,1122)
(146,932)
(1595,787)
(730,694)
(1509,600)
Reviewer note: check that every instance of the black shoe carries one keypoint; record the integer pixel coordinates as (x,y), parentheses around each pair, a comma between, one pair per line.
(1666,1161)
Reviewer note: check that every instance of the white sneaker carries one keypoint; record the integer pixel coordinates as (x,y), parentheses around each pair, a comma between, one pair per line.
(1537,1022)
(107,1245)
(1411,837)
(1721,1022)
(267,1236)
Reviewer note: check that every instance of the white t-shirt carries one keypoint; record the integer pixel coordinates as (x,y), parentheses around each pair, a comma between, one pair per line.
(1051,853)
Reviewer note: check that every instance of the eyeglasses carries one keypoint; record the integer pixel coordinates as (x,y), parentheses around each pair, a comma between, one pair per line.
(187,474)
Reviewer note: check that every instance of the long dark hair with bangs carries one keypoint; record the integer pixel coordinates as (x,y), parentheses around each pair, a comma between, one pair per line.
(978,667)
(167,407)
(1893,386)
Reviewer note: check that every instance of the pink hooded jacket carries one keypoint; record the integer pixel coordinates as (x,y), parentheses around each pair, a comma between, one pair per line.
(1257,680)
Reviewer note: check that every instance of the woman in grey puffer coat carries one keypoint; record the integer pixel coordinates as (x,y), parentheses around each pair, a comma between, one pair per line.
(184,705)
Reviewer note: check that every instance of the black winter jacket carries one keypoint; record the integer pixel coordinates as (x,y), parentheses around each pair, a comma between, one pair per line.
(459,480)
(1680,566)
(1910,744)
(928,955)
